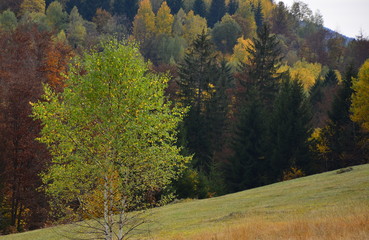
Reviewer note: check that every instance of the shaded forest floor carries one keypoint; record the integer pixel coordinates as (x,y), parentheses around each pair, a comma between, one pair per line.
(322,206)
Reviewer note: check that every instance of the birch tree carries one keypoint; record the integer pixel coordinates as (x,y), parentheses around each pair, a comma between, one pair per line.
(112,135)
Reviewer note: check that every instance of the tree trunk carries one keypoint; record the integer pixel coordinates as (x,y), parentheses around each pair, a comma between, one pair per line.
(107,218)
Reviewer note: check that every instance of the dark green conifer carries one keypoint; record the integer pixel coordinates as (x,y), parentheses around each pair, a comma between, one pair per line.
(247,168)
(216,12)
(265,60)
(289,130)
(199,8)
(197,74)
(232,7)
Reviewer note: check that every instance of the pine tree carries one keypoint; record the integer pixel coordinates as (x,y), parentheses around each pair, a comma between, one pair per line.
(289,130)
(216,12)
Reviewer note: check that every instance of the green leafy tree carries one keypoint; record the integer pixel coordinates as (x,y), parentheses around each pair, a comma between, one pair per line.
(8,21)
(193,26)
(216,12)
(245,18)
(179,22)
(76,30)
(226,33)
(112,136)
(56,17)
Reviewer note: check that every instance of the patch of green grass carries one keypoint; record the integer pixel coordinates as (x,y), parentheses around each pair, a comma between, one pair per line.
(299,198)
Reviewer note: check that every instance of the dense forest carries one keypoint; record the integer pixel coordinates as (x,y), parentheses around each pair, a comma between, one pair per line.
(271,94)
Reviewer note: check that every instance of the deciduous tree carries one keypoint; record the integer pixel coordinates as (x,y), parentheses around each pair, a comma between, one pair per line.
(226,33)
(23,158)
(144,22)
(111,133)
(360,103)
(164,20)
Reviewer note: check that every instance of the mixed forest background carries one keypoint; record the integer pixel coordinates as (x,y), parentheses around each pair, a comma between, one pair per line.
(271,93)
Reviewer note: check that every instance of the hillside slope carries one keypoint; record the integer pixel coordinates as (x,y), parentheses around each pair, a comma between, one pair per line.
(308,201)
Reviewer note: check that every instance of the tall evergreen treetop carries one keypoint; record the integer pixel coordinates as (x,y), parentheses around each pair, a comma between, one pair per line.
(258,14)
(264,62)
(199,8)
(197,76)
(216,12)
(232,7)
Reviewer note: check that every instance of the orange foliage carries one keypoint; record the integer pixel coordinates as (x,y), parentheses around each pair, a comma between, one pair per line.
(55,64)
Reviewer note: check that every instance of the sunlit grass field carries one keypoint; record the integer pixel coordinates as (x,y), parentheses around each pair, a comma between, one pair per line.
(322,206)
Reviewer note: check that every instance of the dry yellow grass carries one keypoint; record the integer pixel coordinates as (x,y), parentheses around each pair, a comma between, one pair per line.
(351,223)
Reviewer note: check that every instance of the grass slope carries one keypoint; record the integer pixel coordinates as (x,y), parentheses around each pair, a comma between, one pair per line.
(322,206)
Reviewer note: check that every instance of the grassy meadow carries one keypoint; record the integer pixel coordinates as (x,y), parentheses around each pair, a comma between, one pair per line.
(322,206)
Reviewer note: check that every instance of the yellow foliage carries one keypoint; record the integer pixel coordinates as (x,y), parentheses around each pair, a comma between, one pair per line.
(144,22)
(93,201)
(360,99)
(240,53)
(292,173)
(338,75)
(320,145)
(33,6)
(164,20)
(306,72)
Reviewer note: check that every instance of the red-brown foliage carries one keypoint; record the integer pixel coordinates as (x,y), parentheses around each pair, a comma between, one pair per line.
(23,55)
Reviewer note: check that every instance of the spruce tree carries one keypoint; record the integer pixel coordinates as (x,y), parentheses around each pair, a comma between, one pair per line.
(264,62)
(258,14)
(289,130)
(232,7)
(247,168)
(199,8)
(197,74)
(216,12)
